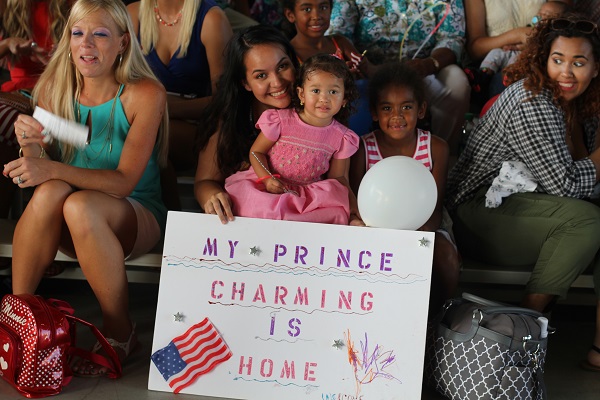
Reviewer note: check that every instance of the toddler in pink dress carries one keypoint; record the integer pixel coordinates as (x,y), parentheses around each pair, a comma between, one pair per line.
(300,159)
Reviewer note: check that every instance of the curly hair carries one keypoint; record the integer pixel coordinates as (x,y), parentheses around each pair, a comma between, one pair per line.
(532,65)
(336,67)
(229,111)
(396,74)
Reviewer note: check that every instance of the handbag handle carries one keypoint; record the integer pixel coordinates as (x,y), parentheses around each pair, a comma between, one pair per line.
(61,305)
(111,362)
(511,310)
(476,324)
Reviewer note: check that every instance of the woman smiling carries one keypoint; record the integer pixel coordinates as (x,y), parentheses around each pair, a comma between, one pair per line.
(547,121)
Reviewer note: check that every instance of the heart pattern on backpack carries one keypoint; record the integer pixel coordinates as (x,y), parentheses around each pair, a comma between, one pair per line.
(5,347)
(3,364)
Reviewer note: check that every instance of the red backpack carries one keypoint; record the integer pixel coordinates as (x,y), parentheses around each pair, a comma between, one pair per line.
(37,340)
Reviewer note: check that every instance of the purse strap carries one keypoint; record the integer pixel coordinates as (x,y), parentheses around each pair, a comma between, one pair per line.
(62,305)
(511,310)
(111,362)
(520,324)
(487,308)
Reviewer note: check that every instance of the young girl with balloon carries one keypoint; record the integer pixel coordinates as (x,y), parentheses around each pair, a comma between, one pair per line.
(301,157)
(397,101)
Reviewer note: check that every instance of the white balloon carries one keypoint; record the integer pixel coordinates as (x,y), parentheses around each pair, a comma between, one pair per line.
(398,192)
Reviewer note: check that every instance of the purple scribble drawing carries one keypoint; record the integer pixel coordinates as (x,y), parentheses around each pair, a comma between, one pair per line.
(369,366)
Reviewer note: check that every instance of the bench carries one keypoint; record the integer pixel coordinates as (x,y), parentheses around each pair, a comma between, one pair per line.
(142,269)
(476,272)
(146,268)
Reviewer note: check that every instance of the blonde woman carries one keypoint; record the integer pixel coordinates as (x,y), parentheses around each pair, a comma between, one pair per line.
(183,42)
(101,203)
(28,31)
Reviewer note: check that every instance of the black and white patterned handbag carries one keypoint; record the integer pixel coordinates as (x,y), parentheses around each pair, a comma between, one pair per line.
(478,349)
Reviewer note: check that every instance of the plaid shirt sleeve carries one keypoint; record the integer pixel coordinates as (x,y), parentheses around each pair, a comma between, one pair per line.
(531,129)
(544,150)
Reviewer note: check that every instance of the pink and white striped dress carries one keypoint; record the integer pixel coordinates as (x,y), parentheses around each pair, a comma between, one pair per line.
(422,150)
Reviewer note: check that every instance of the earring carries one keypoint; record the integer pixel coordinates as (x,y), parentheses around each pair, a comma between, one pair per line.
(301,103)
(120,59)
(69,54)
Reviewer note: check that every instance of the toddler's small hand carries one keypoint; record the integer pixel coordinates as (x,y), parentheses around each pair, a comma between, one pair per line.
(274,186)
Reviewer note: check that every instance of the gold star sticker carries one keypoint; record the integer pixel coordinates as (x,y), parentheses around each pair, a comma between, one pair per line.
(338,343)
(424,242)
(254,251)
(178,317)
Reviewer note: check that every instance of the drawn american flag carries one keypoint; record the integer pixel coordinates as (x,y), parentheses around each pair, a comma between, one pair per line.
(191,355)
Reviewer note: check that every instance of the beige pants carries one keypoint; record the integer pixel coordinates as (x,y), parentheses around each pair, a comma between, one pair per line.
(448,98)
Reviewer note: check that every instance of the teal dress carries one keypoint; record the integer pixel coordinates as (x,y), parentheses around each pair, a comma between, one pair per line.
(109,131)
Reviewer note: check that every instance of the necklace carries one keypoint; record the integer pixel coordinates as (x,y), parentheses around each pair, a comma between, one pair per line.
(162,21)
(109,124)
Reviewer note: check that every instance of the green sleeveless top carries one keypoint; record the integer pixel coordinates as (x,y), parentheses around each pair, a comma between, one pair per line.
(109,129)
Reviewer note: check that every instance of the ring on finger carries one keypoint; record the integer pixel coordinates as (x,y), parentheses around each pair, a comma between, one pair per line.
(20,180)
(23,135)
(33,44)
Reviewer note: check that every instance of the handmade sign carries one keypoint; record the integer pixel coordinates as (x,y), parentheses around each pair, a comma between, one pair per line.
(261,309)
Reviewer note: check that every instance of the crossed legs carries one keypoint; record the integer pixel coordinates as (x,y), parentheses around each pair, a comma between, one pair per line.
(98,228)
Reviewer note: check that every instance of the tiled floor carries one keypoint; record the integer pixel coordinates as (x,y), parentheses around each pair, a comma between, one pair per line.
(563,377)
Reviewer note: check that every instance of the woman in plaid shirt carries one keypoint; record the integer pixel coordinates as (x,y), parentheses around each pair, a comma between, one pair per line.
(547,119)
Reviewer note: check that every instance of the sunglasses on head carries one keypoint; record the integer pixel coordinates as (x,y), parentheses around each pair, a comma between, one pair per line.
(581,26)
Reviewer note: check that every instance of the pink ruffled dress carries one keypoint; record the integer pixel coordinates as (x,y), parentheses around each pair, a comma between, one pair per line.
(301,155)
